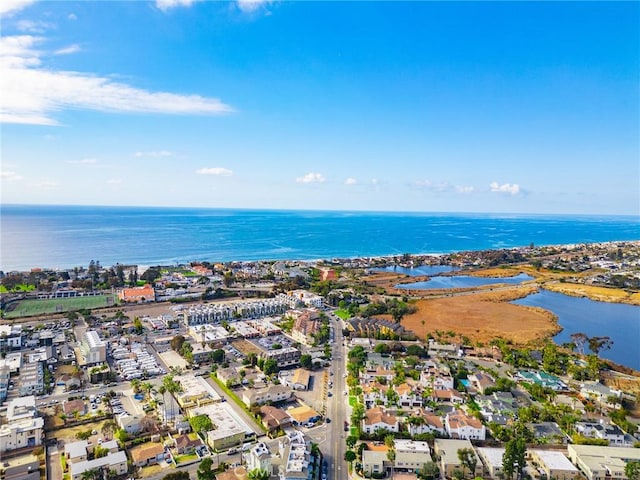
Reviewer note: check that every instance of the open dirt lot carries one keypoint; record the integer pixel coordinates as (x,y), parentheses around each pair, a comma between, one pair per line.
(482,317)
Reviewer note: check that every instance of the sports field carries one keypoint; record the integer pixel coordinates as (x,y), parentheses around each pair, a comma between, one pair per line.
(31,308)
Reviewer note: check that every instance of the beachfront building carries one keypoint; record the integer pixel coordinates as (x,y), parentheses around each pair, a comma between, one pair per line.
(93,348)
(23,427)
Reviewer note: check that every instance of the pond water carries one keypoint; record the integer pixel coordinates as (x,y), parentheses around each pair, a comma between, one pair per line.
(463,281)
(618,321)
(422,270)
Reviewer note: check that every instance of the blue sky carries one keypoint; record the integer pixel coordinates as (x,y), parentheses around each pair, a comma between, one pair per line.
(420,106)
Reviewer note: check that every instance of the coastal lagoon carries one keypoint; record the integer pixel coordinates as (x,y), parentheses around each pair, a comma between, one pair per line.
(423,270)
(463,281)
(576,314)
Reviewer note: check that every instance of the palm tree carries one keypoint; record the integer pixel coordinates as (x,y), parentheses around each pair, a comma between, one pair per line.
(162,390)
(135,385)
(91,474)
(147,388)
(108,429)
(390,442)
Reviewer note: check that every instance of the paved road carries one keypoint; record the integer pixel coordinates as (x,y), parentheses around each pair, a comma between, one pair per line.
(337,410)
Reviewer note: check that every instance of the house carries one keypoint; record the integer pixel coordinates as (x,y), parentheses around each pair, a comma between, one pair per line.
(295,452)
(408,395)
(300,379)
(147,454)
(600,393)
(481,381)
(548,432)
(604,431)
(76,451)
(462,426)
(70,407)
(259,457)
(423,421)
(376,419)
(303,414)
(132,424)
(274,418)
(112,461)
(187,443)
(70,382)
(448,395)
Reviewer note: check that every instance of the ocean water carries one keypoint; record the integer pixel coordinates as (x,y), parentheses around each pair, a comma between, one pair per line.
(68,236)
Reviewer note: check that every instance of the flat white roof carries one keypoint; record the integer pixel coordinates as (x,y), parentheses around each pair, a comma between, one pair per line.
(492,455)
(555,460)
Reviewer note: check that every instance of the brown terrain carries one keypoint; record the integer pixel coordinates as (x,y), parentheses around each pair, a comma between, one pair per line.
(482,317)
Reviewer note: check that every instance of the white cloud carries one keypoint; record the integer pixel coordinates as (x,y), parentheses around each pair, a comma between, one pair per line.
(311,177)
(10,6)
(464,189)
(165,5)
(84,161)
(72,16)
(31,26)
(114,181)
(350,181)
(249,6)
(442,187)
(508,188)
(10,176)
(157,154)
(219,171)
(68,50)
(31,94)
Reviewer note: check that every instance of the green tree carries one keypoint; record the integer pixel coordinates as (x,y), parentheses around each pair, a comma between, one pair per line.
(306,361)
(270,366)
(429,471)
(468,460)
(177,476)
(205,471)
(201,423)
(177,342)
(632,470)
(513,459)
(109,427)
(351,441)
(349,456)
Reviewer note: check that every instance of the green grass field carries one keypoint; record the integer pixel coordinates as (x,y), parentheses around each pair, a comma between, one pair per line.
(343,314)
(23,287)
(31,308)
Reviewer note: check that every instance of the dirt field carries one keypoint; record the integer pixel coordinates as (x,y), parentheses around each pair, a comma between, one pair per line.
(483,317)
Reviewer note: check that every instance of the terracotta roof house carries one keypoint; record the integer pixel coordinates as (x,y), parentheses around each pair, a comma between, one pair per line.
(274,418)
(377,419)
(461,426)
(147,454)
(137,294)
(71,406)
(186,443)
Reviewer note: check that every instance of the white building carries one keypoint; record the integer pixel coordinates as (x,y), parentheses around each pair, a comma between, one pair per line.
(295,452)
(410,455)
(597,463)
(93,349)
(492,459)
(258,457)
(113,461)
(460,425)
(23,428)
(10,337)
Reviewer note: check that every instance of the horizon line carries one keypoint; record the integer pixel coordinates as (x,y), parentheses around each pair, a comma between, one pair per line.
(319,210)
